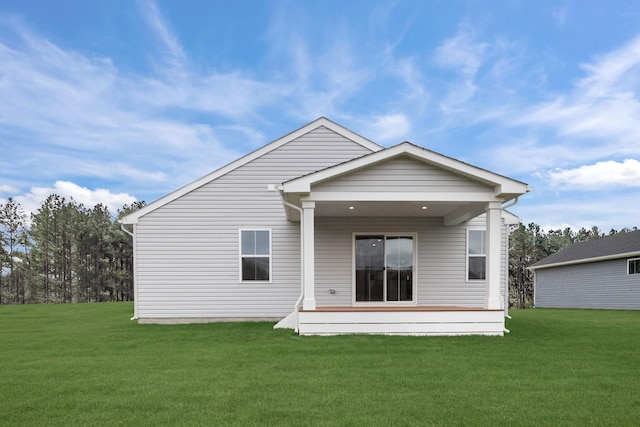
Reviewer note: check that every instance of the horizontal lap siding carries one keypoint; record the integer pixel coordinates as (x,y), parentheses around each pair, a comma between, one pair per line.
(402,173)
(446,274)
(187,253)
(604,285)
(441,264)
(402,323)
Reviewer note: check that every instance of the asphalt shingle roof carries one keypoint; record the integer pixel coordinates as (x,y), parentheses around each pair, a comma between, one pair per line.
(621,243)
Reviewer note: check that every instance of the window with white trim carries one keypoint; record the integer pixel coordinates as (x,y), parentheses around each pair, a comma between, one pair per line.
(476,255)
(633,266)
(255,255)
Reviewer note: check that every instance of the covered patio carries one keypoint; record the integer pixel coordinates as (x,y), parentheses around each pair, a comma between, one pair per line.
(384,199)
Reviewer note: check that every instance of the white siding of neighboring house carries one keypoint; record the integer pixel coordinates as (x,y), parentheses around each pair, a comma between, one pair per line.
(441,261)
(187,254)
(603,285)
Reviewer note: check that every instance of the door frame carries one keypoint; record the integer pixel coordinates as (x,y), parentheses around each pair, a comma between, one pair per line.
(414,284)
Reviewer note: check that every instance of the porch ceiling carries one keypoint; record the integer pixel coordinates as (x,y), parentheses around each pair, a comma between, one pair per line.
(451,212)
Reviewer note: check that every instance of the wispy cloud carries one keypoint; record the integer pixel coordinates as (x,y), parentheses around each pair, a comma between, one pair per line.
(560,15)
(173,53)
(594,121)
(462,52)
(463,55)
(349,63)
(604,105)
(61,107)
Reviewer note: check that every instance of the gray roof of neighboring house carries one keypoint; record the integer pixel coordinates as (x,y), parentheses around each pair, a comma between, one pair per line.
(606,247)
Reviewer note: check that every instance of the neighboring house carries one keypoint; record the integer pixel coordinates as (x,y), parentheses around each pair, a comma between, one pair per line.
(330,233)
(600,273)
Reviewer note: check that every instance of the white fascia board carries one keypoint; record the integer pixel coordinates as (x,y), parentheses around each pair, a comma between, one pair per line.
(322,121)
(587,260)
(512,189)
(391,196)
(503,185)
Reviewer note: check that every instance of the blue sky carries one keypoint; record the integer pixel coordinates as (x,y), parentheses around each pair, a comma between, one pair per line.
(115,101)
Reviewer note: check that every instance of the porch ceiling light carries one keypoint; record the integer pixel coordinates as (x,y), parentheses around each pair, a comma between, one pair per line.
(424,208)
(351,208)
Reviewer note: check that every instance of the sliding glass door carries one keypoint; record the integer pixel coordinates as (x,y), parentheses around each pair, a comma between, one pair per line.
(384,268)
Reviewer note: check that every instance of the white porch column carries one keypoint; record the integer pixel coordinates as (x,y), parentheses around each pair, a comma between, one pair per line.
(309,301)
(493,248)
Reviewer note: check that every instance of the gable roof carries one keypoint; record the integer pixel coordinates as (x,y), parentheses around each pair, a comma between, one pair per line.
(621,245)
(322,121)
(505,187)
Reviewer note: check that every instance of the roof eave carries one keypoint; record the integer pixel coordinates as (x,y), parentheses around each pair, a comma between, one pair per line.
(505,188)
(321,121)
(586,260)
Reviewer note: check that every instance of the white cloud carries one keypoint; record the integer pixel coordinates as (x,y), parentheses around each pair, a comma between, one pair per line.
(600,174)
(32,201)
(389,127)
(7,189)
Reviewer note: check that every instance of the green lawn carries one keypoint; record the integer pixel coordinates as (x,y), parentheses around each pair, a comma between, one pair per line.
(90,365)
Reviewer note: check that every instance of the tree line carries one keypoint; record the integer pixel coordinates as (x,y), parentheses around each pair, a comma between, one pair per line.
(66,252)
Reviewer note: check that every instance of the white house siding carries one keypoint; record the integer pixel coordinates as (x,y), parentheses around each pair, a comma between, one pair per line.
(603,284)
(187,252)
(402,173)
(441,266)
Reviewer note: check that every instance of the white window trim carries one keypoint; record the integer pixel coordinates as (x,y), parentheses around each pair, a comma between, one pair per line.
(255,256)
(627,266)
(467,255)
(414,301)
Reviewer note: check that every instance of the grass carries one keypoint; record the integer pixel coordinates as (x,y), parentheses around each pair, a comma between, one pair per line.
(89,365)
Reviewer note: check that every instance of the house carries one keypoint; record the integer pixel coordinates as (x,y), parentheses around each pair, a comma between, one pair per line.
(601,273)
(328,233)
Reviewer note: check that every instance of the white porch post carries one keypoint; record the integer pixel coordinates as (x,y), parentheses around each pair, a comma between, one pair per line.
(308,209)
(493,248)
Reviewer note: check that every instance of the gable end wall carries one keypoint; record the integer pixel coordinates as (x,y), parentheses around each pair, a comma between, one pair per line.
(403,173)
(187,254)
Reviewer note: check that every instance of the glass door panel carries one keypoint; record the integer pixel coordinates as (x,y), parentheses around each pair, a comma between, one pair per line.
(369,268)
(399,268)
(384,268)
